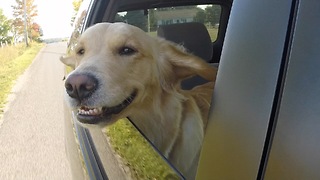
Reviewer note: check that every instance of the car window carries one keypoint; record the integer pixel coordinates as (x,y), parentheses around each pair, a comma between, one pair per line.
(138,156)
(149,20)
(141,158)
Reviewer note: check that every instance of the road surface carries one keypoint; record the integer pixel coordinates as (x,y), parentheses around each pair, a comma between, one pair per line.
(32,127)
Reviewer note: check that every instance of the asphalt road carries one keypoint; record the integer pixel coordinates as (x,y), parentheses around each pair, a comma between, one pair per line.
(32,127)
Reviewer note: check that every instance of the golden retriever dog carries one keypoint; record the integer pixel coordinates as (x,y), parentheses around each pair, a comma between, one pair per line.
(120,71)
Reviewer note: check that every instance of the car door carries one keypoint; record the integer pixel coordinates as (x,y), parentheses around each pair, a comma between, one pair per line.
(264,121)
(295,148)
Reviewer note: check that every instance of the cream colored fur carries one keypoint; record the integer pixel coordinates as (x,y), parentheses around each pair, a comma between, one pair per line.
(172,118)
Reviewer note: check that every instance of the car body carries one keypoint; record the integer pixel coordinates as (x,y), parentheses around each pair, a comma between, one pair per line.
(264,120)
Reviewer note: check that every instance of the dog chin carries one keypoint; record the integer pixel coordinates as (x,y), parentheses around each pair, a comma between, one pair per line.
(100,123)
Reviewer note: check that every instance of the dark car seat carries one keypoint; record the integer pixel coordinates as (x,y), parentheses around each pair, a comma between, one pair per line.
(195,38)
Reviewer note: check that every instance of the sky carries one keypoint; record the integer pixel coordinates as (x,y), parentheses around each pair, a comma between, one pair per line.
(54,16)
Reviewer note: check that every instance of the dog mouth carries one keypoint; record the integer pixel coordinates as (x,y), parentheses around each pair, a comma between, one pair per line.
(93,115)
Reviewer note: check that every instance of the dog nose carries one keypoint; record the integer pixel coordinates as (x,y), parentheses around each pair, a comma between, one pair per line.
(80,86)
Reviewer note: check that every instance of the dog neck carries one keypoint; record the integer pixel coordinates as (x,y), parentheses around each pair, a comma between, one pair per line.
(159,117)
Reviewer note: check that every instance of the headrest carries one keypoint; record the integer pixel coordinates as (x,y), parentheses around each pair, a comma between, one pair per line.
(193,36)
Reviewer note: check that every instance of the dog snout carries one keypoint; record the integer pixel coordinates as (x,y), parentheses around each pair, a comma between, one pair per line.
(80,86)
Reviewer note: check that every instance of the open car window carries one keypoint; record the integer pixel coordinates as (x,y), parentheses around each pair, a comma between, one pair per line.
(137,153)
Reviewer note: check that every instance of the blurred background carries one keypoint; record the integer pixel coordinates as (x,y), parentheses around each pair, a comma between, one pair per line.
(45,19)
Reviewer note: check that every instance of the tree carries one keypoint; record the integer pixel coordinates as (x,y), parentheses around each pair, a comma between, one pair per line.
(4,28)
(213,14)
(36,32)
(18,13)
(200,16)
(152,20)
(137,18)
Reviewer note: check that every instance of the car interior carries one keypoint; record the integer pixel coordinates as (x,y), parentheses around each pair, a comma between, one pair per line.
(196,39)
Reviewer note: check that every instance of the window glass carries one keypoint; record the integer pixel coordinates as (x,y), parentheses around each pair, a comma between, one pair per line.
(78,24)
(150,20)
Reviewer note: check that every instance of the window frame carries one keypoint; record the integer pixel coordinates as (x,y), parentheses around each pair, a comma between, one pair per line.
(91,143)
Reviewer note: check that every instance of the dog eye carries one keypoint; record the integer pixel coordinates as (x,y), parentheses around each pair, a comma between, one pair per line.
(80,51)
(126,51)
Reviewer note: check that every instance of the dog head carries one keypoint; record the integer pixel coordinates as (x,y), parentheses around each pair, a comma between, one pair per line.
(117,65)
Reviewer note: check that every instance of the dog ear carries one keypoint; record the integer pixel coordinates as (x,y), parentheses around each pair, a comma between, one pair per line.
(68,60)
(176,65)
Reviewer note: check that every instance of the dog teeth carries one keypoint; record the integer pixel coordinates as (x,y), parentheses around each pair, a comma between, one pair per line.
(89,111)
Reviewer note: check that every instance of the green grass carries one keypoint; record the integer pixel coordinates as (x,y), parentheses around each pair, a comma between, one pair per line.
(213,32)
(139,156)
(13,61)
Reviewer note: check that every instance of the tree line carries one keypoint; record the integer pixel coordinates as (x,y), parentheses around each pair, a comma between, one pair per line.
(147,20)
(13,30)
